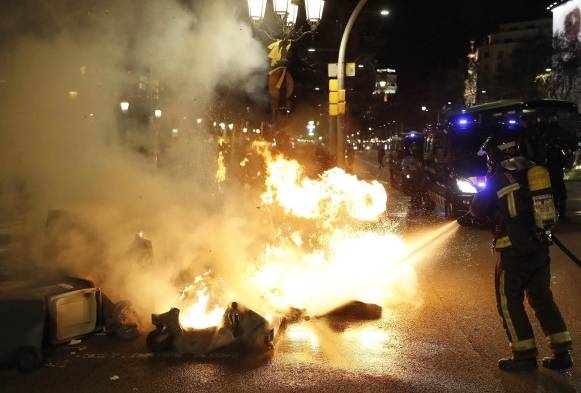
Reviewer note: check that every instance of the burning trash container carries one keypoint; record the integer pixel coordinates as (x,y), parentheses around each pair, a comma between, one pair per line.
(242,330)
(41,313)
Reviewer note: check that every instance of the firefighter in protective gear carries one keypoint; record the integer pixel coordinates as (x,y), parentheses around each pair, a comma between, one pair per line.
(514,200)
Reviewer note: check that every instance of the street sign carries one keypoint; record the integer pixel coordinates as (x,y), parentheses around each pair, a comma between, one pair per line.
(333,97)
(333,85)
(333,109)
(350,69)
(332,70)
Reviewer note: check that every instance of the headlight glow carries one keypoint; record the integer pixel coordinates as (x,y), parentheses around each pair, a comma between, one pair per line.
(466,187)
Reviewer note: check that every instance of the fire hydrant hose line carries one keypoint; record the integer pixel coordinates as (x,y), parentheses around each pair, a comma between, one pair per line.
(566,250)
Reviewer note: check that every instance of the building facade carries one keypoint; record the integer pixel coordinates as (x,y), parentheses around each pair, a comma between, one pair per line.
(511,58)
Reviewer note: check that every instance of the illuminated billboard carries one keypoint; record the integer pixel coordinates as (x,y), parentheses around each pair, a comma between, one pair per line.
(566,78)
(566,20)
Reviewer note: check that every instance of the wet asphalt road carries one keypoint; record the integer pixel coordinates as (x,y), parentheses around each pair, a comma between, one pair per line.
(447,340)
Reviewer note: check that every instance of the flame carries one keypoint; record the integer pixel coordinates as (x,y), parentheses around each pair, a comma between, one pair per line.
(346,263)
(362,266)
(221,172)
(323,198)
(199,314)
(326,259)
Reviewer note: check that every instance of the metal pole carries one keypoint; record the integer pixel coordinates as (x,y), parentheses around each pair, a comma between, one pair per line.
(341,79)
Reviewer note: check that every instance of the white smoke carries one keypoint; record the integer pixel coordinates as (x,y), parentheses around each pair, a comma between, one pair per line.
(64,148)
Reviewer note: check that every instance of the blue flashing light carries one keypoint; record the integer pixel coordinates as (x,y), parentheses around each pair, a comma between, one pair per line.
(512,123)
(463,122)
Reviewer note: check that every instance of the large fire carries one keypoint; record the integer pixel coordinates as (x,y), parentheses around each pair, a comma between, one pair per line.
(329,249)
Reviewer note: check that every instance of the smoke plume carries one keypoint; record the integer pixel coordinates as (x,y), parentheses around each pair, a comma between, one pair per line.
(61,144)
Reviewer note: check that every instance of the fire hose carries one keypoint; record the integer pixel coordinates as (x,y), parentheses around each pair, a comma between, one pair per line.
(566,250)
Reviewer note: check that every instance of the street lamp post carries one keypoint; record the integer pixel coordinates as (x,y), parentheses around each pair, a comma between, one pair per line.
(341,78)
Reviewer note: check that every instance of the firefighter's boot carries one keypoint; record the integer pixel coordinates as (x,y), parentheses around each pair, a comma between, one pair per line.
(524,361)
(559,361)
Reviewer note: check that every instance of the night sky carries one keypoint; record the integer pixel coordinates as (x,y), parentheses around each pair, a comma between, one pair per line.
(432,36)
(422,39)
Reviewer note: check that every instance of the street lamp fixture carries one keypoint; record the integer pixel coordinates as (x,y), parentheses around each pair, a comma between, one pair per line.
(199,120)
(124,106)
(424,108)
(157,113)
(281,7)
(231,126)
(384,12)
(292,13)
(256,9)
(382,84)
(312,50)
(548,69)
(314,9)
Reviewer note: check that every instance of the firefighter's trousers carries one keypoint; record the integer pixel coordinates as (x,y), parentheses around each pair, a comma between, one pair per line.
(530,275)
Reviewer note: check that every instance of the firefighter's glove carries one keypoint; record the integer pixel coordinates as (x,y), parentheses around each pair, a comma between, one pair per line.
(465,220)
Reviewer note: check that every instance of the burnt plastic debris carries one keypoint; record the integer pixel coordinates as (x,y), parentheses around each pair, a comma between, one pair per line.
(355,311)
(121,320)
(242,331)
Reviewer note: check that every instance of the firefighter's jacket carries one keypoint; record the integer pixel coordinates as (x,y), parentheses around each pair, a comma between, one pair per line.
(506,200)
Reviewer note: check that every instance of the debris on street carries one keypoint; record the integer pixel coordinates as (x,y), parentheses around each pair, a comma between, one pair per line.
(242,330)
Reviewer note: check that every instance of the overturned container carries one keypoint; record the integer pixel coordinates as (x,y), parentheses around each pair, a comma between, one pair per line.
(37,314)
